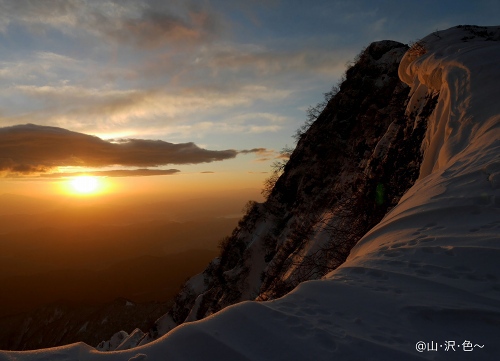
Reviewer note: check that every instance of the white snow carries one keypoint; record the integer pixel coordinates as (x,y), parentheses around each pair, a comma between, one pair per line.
(428,272)
(116,340)
(132,340)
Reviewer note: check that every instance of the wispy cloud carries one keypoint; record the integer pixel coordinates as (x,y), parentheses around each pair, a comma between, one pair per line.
(87,109)
(255,150)
(265,61)
(145,24)
(43,67)
(150,69)
(264,154)
(141,172)
(37,14)
(214,72)
(27,149)
(155,27)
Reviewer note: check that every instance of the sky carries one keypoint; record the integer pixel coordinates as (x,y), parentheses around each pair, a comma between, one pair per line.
(180,96)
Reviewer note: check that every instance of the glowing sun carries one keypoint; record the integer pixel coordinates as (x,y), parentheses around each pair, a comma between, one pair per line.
(85,184)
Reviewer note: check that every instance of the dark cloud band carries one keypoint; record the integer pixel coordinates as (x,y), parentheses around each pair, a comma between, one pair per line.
(29,148)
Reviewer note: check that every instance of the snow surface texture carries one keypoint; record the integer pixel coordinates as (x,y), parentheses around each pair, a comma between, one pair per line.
(428,272)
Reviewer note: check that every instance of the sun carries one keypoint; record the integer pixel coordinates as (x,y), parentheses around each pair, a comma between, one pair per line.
(85,184)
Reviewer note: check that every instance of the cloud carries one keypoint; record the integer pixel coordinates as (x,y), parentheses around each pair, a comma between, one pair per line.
(155,27)
(283,156)
(265,154)
(265,62)
(41,66)
(262,154)
(85,109)
(74,104)
(259,151)
(29,148)
(145,24)
(36,14)
(142,172)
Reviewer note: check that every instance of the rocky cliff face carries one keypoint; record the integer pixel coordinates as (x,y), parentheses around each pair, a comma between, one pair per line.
(347,171)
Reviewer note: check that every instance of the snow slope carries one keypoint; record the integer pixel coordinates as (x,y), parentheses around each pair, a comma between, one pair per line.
(325,196)
(428,272)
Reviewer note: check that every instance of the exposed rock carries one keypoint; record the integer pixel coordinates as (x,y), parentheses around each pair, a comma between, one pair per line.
(347,171)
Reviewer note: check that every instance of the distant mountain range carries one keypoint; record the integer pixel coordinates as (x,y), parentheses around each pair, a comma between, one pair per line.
(80,257)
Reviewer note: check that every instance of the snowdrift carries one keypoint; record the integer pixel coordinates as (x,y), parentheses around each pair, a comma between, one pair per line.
(425,282)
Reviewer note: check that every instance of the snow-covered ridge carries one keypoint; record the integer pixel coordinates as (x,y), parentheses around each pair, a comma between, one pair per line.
(325,200)
(427,272)
(459,67)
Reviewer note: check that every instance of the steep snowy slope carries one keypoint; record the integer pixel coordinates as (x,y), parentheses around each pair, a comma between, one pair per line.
(352,164)
(427,272)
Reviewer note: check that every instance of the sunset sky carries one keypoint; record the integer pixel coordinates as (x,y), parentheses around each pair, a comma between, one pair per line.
(179,96)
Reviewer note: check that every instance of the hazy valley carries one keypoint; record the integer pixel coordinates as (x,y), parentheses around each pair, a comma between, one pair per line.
(82,257)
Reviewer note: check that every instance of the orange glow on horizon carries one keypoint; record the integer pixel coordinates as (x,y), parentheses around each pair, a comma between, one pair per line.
(179,186)
(85,185)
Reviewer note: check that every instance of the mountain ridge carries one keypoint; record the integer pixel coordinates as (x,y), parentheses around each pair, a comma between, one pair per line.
(305,227)
(425,274)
